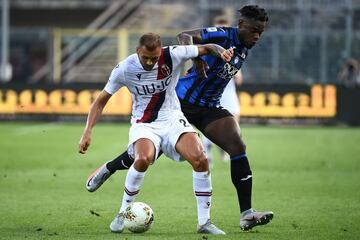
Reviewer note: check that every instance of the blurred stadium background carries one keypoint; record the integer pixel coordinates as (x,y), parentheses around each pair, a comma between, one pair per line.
(56,55)
(53,49)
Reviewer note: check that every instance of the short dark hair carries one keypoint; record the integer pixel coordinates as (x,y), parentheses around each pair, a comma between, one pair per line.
(150,41)
(221,21)
(254,12)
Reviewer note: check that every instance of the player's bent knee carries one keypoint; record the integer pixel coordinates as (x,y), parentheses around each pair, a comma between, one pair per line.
(243,146)
(142,163)
(200,163)
(145,160)
(236,147)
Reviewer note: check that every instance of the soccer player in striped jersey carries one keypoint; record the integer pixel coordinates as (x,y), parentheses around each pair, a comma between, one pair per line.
(199,93)
(157,123)
(229,100)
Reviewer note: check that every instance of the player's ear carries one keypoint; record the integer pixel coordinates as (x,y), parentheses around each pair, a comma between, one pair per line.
(241,23)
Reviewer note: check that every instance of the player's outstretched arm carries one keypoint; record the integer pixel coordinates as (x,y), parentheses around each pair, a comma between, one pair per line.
(189,38)
(194,37)
(217,51)
(94,113)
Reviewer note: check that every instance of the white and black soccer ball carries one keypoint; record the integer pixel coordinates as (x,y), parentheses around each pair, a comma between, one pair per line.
(138,217)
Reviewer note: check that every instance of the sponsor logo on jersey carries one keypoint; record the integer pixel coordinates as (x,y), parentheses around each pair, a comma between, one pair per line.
(227,72)
(153,87)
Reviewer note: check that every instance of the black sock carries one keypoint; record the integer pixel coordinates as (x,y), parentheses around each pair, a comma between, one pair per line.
(124,161)
(241,177)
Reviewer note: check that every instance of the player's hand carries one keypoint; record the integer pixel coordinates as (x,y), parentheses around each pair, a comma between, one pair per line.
(84,142)
(227,54)
(201,66)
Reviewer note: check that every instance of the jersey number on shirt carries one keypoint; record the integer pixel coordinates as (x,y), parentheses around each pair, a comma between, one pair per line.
(184,122)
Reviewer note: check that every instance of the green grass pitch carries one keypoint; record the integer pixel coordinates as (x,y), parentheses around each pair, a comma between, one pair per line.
(309,177)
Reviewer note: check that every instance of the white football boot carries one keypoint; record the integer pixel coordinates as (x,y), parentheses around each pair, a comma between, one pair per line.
(97,178)
(210,228)
(251,218)
(117,225)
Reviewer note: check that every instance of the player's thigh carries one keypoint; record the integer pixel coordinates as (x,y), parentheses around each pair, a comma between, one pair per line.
(173,132)
(144,149)
(225,132)
(144,143)
(189,146)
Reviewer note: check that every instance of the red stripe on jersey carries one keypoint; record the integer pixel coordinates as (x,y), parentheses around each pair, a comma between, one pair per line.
(164,64)
(157,99)
(153,107)
(161,62)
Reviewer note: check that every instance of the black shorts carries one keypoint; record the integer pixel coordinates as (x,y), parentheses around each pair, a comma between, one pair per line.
(200,117)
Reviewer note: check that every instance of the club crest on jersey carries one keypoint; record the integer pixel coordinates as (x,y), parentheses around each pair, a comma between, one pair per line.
(138,76)
(236,60)
(165,70)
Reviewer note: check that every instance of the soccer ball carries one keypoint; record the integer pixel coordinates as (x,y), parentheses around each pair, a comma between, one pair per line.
(138,217)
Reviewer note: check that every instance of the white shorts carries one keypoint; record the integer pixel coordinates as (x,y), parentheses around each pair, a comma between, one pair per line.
(229,99)
(164,134)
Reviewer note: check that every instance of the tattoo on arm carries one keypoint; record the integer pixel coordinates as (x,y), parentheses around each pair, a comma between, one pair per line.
(189,37)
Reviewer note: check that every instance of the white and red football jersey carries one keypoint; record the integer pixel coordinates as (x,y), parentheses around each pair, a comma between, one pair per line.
(153,92)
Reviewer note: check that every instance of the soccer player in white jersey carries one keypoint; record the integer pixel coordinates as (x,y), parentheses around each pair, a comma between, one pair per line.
(157,122)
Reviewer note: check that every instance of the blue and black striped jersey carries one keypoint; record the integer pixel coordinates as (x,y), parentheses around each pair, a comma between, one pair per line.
(207,92)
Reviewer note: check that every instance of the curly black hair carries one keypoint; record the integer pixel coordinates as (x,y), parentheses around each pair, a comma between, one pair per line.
(254,12)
